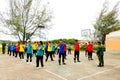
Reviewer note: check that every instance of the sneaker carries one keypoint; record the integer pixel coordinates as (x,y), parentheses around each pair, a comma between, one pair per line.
(59,63)
(64,63)
(79,61)
(98,65)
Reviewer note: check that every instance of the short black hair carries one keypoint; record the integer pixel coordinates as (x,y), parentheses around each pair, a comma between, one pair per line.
(41,42)
(99,42)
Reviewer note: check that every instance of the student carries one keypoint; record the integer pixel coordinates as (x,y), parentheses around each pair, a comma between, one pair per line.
(11,49)
(3,47)
(76,51)
(65,50)
(39,54)
(61,46)
(53,49)
(22,50)
(14,50)
(86,49)
(90,50)
(69,49)
(8,49)
(29,51)
(46,47)
(49,52)
(100,54)
(34,46)
(17,49)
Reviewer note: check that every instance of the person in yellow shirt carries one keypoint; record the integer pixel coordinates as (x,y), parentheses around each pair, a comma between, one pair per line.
(49,51)
(34,46)
(22,50)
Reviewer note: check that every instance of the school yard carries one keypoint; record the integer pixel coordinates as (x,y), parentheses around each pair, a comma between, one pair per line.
(15,69)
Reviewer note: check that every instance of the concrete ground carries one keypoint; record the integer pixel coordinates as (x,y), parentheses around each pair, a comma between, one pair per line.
(12,68)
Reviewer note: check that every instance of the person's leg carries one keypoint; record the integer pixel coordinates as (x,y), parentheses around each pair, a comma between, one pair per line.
(41,61)
(78,56)
(74,56)
(63,58)
(30,57)
(47,55)
(15,54)
(51,56)
(10,53)
(88,55)
(37,61)
(20,55)
(27,57)
(65,54)
(99,57)
(102,60)
(91,56)
(59,60)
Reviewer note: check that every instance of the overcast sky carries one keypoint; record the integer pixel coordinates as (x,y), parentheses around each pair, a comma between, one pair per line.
(71,16)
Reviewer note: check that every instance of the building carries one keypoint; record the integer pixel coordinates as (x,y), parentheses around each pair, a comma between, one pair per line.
(113,42)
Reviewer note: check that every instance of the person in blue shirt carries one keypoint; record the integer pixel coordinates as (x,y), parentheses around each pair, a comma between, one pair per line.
(61,53)
(29,51)
(11,49)
(39,54)
(8,49)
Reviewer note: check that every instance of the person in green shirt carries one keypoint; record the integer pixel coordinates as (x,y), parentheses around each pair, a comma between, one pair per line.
(100,54)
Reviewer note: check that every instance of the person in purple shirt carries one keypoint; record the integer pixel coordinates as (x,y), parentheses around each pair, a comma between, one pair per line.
(61,53)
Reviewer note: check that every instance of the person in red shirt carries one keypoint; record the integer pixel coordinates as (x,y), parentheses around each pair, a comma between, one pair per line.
(17,49)
(65,50)
(90,50)
(86,49)
(76,51)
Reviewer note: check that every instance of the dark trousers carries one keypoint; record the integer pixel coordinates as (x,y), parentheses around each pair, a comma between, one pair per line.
(11,53)
(21,55)
(65,54)
(53,53)
(3,50)
(16,53)
(8,51)
(34,52)
(76,55)
(39,59)
(101,60)
(29,56)
(86,53)
(69,51)
(49,53)
(63,57)
(89,55)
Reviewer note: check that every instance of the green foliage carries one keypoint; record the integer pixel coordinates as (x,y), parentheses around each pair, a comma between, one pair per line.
(82,48)
(67,41)
(107,22)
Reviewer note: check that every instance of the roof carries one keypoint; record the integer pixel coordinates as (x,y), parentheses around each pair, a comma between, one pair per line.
(115,33)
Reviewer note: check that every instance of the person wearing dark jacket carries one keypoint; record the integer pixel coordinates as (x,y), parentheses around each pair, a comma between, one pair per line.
(100,54)
(3,47)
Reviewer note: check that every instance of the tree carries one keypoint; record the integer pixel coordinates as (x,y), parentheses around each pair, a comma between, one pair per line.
(25,18)
(107,22)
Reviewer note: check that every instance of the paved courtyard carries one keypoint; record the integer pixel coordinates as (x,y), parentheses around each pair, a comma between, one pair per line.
(12,68)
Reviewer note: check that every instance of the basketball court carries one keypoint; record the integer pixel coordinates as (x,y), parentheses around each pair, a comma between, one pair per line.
(12,68)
